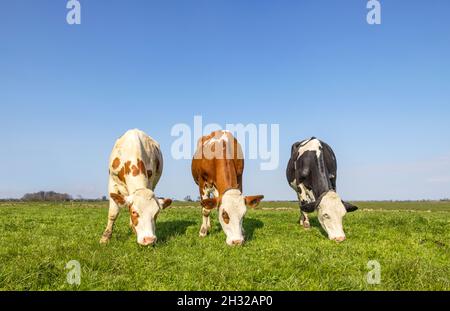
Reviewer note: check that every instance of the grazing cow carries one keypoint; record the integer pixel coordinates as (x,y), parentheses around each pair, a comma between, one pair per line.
(311,172)
(217,168)
(135,167)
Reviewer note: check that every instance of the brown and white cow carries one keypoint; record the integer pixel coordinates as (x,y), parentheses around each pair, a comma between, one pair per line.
(217,168)
(135,167)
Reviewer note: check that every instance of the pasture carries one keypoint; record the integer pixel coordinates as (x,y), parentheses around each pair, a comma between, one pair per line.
(411,241)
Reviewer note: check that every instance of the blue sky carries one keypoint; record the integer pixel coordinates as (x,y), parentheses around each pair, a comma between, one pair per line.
(380,95)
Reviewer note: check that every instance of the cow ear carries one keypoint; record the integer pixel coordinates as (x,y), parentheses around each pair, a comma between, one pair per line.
(209,203)
(118,198)
(349,207)
(164,203)
(253,201)
(308,207)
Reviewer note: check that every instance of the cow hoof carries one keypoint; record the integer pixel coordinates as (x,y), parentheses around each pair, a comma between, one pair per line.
(305,225)
(105,238)
(203,232)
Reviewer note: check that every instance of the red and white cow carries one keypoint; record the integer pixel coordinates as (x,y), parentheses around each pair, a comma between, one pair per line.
(135,167)
(217,169)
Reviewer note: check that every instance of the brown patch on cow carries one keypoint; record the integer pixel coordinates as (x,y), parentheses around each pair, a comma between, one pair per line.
(115,163)
(119,199)
(134,216)
(122,174)
(226,217)
(127,168)
(141,167)
(210,204)
(135,170)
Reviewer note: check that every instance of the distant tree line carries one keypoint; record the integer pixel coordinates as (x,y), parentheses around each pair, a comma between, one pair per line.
(53,196)
(46,196)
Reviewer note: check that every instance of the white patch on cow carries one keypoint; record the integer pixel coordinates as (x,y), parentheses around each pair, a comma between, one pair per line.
(217,141)
(233,204)
(330,213)
(305,195)
(293,185)
(209,190)
(223,137)
(310,145)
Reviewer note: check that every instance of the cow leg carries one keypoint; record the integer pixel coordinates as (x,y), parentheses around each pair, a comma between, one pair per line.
(112,216)
(304,220)
(206,224)
(304,196)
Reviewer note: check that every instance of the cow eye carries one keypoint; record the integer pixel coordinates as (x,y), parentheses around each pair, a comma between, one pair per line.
(326,216)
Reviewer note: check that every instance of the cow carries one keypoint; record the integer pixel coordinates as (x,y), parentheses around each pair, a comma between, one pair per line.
(217,169)
(135,167)
(312,173)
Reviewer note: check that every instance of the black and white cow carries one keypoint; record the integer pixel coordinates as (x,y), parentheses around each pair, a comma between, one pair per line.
(311,172)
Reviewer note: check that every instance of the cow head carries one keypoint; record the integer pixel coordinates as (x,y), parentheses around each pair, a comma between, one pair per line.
(330,212)
(144,208)
(232,209)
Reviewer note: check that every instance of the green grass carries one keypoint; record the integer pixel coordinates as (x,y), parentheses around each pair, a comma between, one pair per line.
(411,241)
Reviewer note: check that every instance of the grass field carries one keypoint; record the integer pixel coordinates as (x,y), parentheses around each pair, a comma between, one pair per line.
(411,241)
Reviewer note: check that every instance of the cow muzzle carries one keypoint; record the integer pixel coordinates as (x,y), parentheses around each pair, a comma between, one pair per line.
(148,240)
(339,239)
(236,242)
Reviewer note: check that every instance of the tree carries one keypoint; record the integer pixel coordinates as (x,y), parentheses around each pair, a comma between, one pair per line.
(46,196)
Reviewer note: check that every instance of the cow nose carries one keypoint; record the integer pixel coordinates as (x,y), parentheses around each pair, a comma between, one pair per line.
(339,239)
(148,240)
(237,242)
